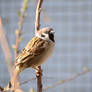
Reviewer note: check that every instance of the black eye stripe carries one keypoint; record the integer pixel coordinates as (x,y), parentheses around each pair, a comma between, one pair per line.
(42,35)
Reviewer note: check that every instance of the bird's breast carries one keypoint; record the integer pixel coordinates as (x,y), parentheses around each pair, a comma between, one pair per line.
(47,54)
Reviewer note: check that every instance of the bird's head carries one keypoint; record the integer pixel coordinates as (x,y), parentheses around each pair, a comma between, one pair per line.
(46,34)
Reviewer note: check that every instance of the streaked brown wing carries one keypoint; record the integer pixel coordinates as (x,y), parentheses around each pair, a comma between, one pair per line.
(34,48)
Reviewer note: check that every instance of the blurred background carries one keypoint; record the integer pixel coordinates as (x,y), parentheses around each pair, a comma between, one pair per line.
(72,22)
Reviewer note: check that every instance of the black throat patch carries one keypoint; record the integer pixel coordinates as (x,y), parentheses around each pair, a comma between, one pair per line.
(51,36)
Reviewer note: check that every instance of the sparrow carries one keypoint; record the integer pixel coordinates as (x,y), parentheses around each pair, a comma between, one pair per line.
(37,51)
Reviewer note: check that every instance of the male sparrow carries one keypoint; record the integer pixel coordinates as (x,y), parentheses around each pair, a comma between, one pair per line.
(37,51)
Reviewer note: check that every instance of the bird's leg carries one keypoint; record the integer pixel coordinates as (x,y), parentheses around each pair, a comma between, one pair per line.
(38,71)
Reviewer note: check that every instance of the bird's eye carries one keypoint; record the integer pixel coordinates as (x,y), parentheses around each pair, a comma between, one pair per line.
(42,35)
(46,32)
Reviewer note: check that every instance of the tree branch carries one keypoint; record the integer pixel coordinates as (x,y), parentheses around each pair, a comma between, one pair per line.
(20,25)
(7,53)
(73,77)
(15,80)
(37,27)
(6,50)
(5,47)
(39,79)
(38,11)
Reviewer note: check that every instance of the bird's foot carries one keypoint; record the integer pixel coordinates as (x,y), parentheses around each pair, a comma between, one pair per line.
(38,71)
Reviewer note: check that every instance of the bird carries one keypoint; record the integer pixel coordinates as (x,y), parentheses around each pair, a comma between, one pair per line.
(37,51)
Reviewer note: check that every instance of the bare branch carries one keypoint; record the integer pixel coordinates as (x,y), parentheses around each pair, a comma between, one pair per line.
(14,80)
(73,77)
(5,47)
(38,11)
(39,79)
(7,53)
(37,27)
(20,25)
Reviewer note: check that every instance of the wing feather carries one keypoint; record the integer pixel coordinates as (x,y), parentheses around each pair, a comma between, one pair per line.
(34,48)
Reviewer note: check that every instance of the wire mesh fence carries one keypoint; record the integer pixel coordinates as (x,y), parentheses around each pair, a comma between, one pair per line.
(72,22)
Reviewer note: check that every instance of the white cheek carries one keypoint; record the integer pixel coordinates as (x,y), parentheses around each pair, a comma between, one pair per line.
(37,35)
(47,37)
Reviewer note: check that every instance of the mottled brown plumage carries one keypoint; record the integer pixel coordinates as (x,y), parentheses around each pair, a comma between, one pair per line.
(33,54)
(37,51)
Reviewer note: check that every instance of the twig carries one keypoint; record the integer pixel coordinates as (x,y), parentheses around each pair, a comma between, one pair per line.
(20,25)
(39,80)
(6,49)
(45,17)
(68,80)
(28,80)
(7,52)
(14,79)
(38,11)
(18,39)
(5,46)
(37,27)
(73,77)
